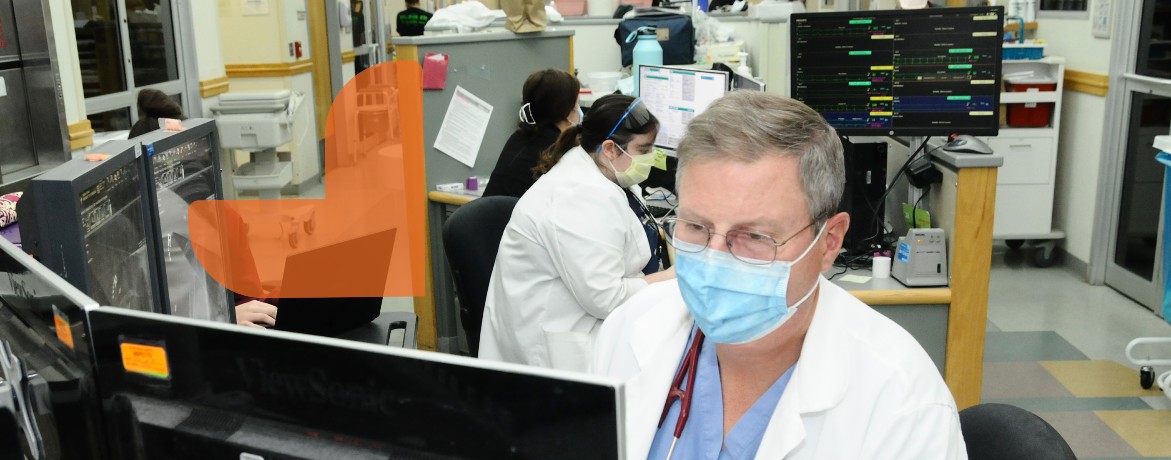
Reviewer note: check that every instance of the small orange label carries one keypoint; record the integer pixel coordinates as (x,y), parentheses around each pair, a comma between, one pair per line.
(171,124)
(145,359)
(96,157)
(64,333)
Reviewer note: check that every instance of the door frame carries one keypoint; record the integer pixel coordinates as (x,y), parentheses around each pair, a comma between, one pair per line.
(185,66)
(1123,83)
(326,56)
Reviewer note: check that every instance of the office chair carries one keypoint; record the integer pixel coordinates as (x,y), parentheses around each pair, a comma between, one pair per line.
(471,238)
(1004,432)
(380,329)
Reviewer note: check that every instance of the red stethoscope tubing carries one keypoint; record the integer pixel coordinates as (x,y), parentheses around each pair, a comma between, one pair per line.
(681,392)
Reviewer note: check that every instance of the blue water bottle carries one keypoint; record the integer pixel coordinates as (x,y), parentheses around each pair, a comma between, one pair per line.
(646,51)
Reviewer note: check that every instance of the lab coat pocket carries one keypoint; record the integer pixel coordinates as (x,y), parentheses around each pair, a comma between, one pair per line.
(568,350)
(572,350)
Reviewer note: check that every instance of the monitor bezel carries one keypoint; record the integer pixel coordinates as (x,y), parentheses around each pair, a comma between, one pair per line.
(992,130)
(111,321)
(80,358)
(739,76)
(727,81)
(76,312)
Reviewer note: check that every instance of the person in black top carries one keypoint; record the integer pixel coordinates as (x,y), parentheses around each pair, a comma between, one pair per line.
(411,20)
(550,105)
(153,105)
(358,19)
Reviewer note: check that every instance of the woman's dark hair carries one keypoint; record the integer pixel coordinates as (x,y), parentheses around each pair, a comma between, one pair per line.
(550,95)
(597,124)
(152,105)
(156,104)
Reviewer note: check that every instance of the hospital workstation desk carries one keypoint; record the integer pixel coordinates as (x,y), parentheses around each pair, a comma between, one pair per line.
(950,321)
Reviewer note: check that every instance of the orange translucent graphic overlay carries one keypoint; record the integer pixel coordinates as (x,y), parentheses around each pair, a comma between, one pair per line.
(366,237)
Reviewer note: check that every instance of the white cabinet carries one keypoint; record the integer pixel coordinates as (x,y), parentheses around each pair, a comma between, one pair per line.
(1024,186)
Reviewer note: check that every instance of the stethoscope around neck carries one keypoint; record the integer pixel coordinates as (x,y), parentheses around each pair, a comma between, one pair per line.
(682,391)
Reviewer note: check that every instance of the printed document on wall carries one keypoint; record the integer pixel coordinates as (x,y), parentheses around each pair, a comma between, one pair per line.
(463,127)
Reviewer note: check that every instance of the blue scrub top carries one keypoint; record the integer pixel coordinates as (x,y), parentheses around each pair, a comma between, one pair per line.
(703,436)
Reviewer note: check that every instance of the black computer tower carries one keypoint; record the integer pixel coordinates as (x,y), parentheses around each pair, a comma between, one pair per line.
(862,197)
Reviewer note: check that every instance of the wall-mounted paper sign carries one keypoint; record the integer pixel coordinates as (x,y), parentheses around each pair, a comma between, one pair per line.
(254,7)
(463,127)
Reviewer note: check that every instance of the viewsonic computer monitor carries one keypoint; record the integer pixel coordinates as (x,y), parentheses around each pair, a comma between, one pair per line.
(676,95)
(43,321)
(178,388)
(183,167)
(87,221)
(924,72)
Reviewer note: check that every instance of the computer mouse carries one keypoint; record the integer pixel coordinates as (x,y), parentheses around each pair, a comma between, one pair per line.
(964,143)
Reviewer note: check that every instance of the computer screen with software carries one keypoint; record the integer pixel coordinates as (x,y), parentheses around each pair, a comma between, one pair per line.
(925,72)
(675,96)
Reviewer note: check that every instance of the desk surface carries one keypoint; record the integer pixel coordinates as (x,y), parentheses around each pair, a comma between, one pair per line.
(478,37)
(889,291)
(453,198)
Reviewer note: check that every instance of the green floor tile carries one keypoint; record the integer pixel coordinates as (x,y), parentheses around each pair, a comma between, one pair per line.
(1028,346)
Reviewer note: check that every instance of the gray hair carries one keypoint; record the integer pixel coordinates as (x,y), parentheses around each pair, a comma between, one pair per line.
(747,126)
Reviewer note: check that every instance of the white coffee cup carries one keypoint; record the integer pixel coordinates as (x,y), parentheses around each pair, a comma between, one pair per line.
(880,265)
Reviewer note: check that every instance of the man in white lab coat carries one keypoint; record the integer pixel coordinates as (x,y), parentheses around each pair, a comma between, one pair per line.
(774,361)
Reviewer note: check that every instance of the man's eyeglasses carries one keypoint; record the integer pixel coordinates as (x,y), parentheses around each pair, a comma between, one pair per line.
(636,116)
(748,247)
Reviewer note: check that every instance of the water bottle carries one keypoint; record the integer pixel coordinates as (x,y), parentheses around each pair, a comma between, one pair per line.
(646,51)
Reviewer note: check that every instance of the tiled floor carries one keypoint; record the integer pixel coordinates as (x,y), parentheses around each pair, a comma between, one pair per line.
(1055,346)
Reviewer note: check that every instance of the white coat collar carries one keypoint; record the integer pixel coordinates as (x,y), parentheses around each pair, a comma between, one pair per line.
(818,383)
(578,159)
(657,344)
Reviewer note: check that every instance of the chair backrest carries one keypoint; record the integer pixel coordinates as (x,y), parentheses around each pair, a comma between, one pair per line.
(1004,432)
(471,238)
(380,330)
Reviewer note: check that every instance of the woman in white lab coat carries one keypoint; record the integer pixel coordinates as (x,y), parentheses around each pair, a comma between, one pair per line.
(578,243)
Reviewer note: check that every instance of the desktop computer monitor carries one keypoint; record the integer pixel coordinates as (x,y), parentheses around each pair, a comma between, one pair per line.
(925,72)
(183,167)
(178,388)
(43,323)
(86,221)
(676,95)
(746,83)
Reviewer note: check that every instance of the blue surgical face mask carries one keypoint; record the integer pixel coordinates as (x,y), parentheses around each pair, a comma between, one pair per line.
(580,115)
(732,301)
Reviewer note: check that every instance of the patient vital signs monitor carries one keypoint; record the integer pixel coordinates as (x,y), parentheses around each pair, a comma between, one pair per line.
(901,72)
(676,95)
